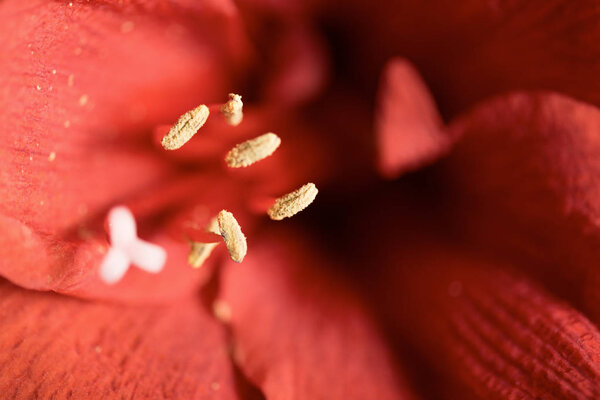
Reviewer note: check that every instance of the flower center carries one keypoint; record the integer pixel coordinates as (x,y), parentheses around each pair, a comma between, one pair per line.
(203,238)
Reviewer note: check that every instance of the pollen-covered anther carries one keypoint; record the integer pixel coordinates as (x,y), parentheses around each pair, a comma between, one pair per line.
(200,252)
(185,128)
(232,109)
(232,236)
(253,150)
(294,202)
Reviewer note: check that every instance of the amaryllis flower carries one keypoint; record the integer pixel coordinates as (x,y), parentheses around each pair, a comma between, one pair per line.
(154,241)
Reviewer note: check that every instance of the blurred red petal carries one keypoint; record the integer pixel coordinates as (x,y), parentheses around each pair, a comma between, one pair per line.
(487,332)
(57,347)
(525,183)
(470,50)
(73,117)
(409,128)
(299,332)
(300,67)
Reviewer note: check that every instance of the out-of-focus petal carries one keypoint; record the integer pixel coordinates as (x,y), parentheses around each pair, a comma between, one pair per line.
(408,125)
(57,347)
(524,182)
(300,67)
(299,332)
(471,50)
(488,333)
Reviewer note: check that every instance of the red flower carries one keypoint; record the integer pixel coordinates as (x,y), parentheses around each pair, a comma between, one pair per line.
(479,268)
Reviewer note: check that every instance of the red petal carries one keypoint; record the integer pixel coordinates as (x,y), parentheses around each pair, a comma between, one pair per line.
(524,181)
(299,332)
(488,333)
(409,127)
(83,88)
(55,347)
(110,96)
(300,67)
(470,50)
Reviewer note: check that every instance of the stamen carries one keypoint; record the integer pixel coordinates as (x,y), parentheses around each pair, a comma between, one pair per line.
(186,127)
(201,251)
(232,110)
(232,235)
(294,202)
(253,150)
(127,248)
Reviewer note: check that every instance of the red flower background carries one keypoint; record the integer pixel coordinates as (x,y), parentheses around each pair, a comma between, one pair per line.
(469,272)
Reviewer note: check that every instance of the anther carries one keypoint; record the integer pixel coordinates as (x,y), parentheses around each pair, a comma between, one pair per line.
(232,110)
(200,252)
(294,202)
(253,150)
(186,127)
(232,236)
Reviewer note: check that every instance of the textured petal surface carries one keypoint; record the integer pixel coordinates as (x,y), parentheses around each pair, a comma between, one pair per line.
(488,333)
(525,184)
(57,347)
(299,332)
(83,85)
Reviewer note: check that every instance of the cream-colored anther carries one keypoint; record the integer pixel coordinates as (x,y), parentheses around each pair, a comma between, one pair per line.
(186,127)
(253,150)
(232,236)
(232,110)
(294,202)
(200,252)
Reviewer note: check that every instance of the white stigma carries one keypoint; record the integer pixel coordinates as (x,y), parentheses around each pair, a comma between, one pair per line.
(126,248)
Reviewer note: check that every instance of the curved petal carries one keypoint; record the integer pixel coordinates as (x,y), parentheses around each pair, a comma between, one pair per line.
(73,118)
(299,332)
(471,50)
(487,332)
(70,263)
(85,84)
(409,128)
(56,347)
(525,183)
